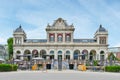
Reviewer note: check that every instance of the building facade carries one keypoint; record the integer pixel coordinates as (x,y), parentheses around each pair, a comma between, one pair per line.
(60,43)
(3,52)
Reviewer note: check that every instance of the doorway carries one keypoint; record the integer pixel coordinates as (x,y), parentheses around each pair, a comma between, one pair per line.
(59,62)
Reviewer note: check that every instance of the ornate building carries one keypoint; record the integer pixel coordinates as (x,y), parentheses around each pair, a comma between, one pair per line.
(60,43)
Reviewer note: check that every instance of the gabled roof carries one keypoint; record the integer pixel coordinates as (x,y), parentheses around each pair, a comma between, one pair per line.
(60,22)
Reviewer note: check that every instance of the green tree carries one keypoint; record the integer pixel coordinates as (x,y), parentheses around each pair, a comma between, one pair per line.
(111,55)
(10,47)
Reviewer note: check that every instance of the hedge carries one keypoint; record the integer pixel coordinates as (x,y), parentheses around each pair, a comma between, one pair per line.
(8,67)
(112,68)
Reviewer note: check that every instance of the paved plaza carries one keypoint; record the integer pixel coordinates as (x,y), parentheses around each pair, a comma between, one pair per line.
(58,75)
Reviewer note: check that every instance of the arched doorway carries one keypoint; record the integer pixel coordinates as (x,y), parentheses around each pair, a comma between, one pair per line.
(76,54)
(34,53)
(18,54)
(102,55)
(59,55)
(84,54)
(27,55)
(43,54)
(51,54)
(67,55)
(59,60)
(92,55)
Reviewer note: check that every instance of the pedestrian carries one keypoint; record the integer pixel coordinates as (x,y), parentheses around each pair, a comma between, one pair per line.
(75,65)
(44,67)
(52,64)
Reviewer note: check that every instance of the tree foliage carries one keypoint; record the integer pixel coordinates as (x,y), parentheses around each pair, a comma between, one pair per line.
(112,56)
(10,47)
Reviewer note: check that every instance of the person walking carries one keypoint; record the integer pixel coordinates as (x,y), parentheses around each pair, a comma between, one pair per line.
(75,65)
(44,67)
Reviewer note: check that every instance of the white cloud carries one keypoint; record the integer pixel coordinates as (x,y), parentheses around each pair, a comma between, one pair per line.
(2,40)
(117,45)
(37,33)
(34,19)
(83,26)
(29,17)
(86,15)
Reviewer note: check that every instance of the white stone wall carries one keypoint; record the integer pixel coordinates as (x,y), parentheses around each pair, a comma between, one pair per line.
(63,49)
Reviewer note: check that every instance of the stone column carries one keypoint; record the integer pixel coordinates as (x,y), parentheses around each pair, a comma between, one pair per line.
(72,37)
(55,37)
(63,56)
(22,54)
(63,37)
(55,55)
(71,55)
(88,56)
(47,37)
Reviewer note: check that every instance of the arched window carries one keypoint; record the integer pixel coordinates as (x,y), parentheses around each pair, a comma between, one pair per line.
(102,55)
(76,54)
(34,53)
(59,52)
(67,52)
(60,38)
(67,55)
(92,55)
(102,40)
(67,37)
(43,54)
(59,55)
(84,54)
(27,54)
(18,40)
(51,54)
(52,38)
(18,54)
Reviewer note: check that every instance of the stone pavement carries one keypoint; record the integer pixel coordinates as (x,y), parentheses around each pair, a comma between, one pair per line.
(58,75)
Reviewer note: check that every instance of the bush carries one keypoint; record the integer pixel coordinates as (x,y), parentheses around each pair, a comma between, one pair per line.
(8,67)
(15,67)
(95,63)
(112,68)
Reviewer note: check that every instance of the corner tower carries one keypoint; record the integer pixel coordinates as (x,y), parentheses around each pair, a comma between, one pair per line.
(101,36)
(19,36)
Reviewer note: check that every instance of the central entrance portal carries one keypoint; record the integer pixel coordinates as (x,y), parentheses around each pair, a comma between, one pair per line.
(59,62)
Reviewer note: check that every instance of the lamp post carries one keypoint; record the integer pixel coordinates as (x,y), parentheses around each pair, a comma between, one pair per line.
(30,62)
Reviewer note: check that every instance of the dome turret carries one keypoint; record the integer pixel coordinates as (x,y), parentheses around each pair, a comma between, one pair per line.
(101,29)
(19,29)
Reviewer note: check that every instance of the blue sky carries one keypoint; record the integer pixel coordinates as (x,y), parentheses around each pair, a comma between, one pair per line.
(86,16)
